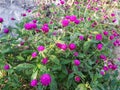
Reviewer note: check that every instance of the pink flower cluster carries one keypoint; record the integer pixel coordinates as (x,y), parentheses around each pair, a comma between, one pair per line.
(68,19)
(64,47)
(30,26)
(45,80)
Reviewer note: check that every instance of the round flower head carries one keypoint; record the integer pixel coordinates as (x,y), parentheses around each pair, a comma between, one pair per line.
(41,48)
(73,18)
(77,21)
(65,22)
(44,61)
(99,37)
(33,83)
(30,26)
(1,20)
(103,57)
(99,46)
(62,2)
(76,62)
(34,21)
(72,46)
(45,79)
(6,67)
(114,67)
(111,37)
(76,54)
(105,33)
(6,31)
(77,78)
(23,14)
(45,28)
(34,54)
(67,17)
(102,72)
(64,47)
(105,68)
(81,37)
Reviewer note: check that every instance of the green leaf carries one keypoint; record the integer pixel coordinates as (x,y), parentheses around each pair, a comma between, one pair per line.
(24,66)
(20,58)
(54,59)
(81,87)
(86,45)
(53,85)
(34,75)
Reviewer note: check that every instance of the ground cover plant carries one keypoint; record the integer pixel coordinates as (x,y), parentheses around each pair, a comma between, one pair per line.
(62,48)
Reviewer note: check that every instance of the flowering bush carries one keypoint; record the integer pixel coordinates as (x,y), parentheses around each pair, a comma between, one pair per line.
(71,50)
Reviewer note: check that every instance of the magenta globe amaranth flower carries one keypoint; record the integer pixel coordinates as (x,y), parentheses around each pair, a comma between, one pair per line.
(44,61)
(77,21)
(6,30)
(1,20)
(99,37)
(30,26)
(33,83)
(76,62)
(111,37)
(62,2)
(34,54)
(45,28)
(77,78)
(73,18)
(102,72)
(76,54)
(72,46)
(105,68)
(41,48)
(105,33)
(65,22)
(103,57)
(6,67)
(81,37)
(99,46)
(45,79)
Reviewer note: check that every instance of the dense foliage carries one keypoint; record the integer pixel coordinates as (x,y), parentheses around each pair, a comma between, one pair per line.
(64,48)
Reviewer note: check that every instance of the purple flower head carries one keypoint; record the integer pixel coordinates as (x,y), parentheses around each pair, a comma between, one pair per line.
(6,67)
(34,54)
(81,37)
(6,31)
(73,18)
(67,17)
(28,10)
(99,37)
(113,14)
(111,37)
(115,44)
(77,78)
(72,46)
(34,21)
(77,21)
(99,46)
(65,22)
(45,28)
(102,72)
(30,26)
(105,33)
(76,62)
(1,20)
(105,68)
(82,19)
(45,79)
(76,54)
(23,14)
(64,47)
(89,19)
(44,61)
(12,18)
(41,48)
(62,2)
(103,57)
(22,43)
(114,67)
(114,20)
(33,83)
